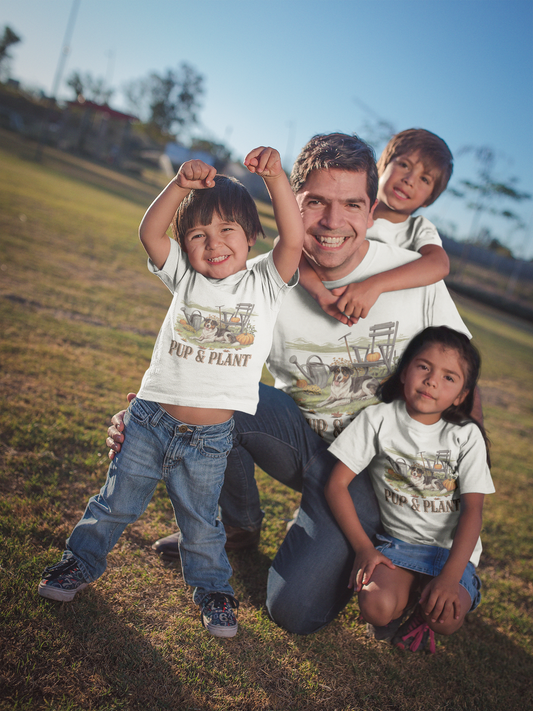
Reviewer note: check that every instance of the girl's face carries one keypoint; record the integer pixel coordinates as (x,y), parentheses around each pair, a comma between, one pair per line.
(432,382)
(217,250)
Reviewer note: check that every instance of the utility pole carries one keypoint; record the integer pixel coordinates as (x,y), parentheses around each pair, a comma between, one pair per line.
(65,49)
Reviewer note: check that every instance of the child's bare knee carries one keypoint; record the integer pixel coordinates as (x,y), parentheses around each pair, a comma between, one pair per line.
(377,609)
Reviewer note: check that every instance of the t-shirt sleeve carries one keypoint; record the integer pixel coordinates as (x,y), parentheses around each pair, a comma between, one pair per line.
(441,309)
(273,284)
(357,445)
(424,233)
(172,269)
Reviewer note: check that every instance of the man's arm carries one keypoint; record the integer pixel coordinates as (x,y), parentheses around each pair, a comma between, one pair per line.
(477,410)
(266,163)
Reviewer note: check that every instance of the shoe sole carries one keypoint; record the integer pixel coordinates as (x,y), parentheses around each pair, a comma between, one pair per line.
(170,557)
(57,593)
(218,631)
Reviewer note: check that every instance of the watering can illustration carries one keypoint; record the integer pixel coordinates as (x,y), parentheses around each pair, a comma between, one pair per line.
(194,318)
(315,371)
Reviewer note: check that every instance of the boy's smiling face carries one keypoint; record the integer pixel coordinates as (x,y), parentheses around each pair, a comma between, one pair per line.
(219,249)
(405,185)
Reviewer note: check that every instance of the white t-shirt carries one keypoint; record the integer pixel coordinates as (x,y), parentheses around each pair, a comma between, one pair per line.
(216,335)
(412,234)
(418,471)
(332,370)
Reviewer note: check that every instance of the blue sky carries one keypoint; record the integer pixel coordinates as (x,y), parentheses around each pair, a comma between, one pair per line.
(278,72)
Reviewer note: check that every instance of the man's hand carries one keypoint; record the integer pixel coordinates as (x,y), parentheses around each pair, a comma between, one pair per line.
(195,175)
(264,161)
(114,433)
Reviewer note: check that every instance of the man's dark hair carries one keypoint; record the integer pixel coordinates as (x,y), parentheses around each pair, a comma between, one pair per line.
(336,150)
(228,198)
(433,151)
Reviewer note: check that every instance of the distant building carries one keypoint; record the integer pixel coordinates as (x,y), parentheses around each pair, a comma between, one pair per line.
(95,130)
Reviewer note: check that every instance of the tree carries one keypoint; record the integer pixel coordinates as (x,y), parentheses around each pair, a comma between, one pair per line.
(89,87)
(167,102)
(76,84)
(219,151)
(375,129)
(482,194)
(8,39)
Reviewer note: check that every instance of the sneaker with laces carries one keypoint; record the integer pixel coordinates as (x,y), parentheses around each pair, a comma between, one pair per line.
(386,633)
(216,613)
(62,580)
(415,634)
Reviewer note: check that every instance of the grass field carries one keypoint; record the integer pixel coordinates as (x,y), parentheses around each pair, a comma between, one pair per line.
(79,313)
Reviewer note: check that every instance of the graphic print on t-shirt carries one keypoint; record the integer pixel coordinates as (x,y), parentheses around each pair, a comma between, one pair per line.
(426,475)
(212,326)
(337,388)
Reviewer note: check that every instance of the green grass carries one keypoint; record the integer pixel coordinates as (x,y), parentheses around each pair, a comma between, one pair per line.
(78,316)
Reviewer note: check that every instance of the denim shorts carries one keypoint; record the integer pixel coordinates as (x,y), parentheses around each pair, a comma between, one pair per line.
(428,560)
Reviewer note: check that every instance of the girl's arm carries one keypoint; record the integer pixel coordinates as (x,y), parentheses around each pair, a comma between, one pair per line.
(267,163)
(357,299)
(440,597)
(194,174)
(341,505)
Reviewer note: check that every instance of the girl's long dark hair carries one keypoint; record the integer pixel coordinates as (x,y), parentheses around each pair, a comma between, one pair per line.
(392,388)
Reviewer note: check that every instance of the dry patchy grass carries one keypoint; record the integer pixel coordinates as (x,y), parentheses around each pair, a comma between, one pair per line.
(79,312)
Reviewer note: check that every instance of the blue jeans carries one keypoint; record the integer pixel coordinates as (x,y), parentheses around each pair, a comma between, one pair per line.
(308,581)
(191,460)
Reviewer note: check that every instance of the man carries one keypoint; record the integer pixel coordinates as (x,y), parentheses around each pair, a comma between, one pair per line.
(325,372)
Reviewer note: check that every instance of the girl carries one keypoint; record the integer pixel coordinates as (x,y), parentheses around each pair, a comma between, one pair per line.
(207,362)
(429,465)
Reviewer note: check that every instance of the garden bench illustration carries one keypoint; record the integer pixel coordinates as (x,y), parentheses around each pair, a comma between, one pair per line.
(376,354)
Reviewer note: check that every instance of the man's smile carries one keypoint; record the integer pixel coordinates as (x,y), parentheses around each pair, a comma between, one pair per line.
(330,240)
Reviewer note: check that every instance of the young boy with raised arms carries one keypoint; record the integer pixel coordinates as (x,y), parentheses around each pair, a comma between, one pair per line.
(414,169)
(206,363)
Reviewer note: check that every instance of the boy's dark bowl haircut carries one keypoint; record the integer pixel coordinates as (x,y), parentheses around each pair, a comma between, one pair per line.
(228,198)
(432,149)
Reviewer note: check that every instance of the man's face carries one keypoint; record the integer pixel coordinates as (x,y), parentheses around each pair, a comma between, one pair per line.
(336,213)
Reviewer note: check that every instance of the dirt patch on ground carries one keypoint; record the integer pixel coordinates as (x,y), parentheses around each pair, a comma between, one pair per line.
(496,397)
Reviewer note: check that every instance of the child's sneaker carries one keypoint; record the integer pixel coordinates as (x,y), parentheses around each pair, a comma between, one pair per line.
(216,613)
(415,634)
(386,633)
(62,580)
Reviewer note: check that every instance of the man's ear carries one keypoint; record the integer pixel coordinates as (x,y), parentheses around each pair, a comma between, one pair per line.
(251,241)
(370,220)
